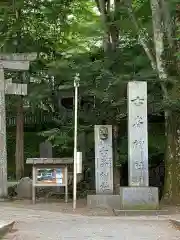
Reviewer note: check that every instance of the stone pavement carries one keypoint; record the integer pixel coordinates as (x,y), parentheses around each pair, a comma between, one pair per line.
(37,224)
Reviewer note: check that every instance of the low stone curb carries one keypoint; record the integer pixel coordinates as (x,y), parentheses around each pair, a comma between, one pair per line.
(140,212)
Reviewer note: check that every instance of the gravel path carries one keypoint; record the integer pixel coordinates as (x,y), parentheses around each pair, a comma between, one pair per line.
(44,225)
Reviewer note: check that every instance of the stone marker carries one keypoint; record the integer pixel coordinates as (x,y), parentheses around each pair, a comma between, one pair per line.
(24,188)
(103,170)
(137,134)
(138,195)
(45,149)
(103,159)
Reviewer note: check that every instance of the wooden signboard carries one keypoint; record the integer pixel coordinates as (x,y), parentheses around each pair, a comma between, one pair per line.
(49,172)
(16,89)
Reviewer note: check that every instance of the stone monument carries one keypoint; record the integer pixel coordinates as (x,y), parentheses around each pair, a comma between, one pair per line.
(103,169)
(24,188)
(103,159)
(45,149)
(138,195)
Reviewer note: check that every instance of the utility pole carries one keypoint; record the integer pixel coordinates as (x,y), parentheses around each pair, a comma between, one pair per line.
(76,86)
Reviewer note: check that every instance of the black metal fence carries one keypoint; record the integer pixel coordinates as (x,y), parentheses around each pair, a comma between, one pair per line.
(30,119)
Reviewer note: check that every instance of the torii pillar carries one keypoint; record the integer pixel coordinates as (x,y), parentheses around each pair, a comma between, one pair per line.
(17,62)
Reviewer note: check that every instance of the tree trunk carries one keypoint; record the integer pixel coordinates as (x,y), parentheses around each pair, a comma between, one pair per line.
(19,155)
(172,159)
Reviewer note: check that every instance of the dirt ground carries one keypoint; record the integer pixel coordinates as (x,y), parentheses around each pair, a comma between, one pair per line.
(57,221)
(60,206)
(81,207)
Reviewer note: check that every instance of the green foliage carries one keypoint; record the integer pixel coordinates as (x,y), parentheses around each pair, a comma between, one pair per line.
(62,137)
(31,149)
(67,35)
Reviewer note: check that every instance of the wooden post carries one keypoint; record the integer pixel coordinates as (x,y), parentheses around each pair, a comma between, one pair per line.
(3,151)
(34,184)
(66,187)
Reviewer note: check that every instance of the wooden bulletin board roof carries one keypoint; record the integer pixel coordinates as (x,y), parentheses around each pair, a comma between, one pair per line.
(49,161)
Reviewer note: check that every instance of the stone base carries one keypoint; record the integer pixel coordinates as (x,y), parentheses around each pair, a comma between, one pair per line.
(5,228)
(132,213)
(139,198)
(103,201)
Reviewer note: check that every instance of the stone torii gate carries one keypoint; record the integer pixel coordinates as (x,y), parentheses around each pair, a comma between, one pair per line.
(17,62)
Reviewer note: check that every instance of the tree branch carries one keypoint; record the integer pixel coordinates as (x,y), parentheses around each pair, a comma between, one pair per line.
(142,39)
(159,42)
(143,42)
(103,11)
